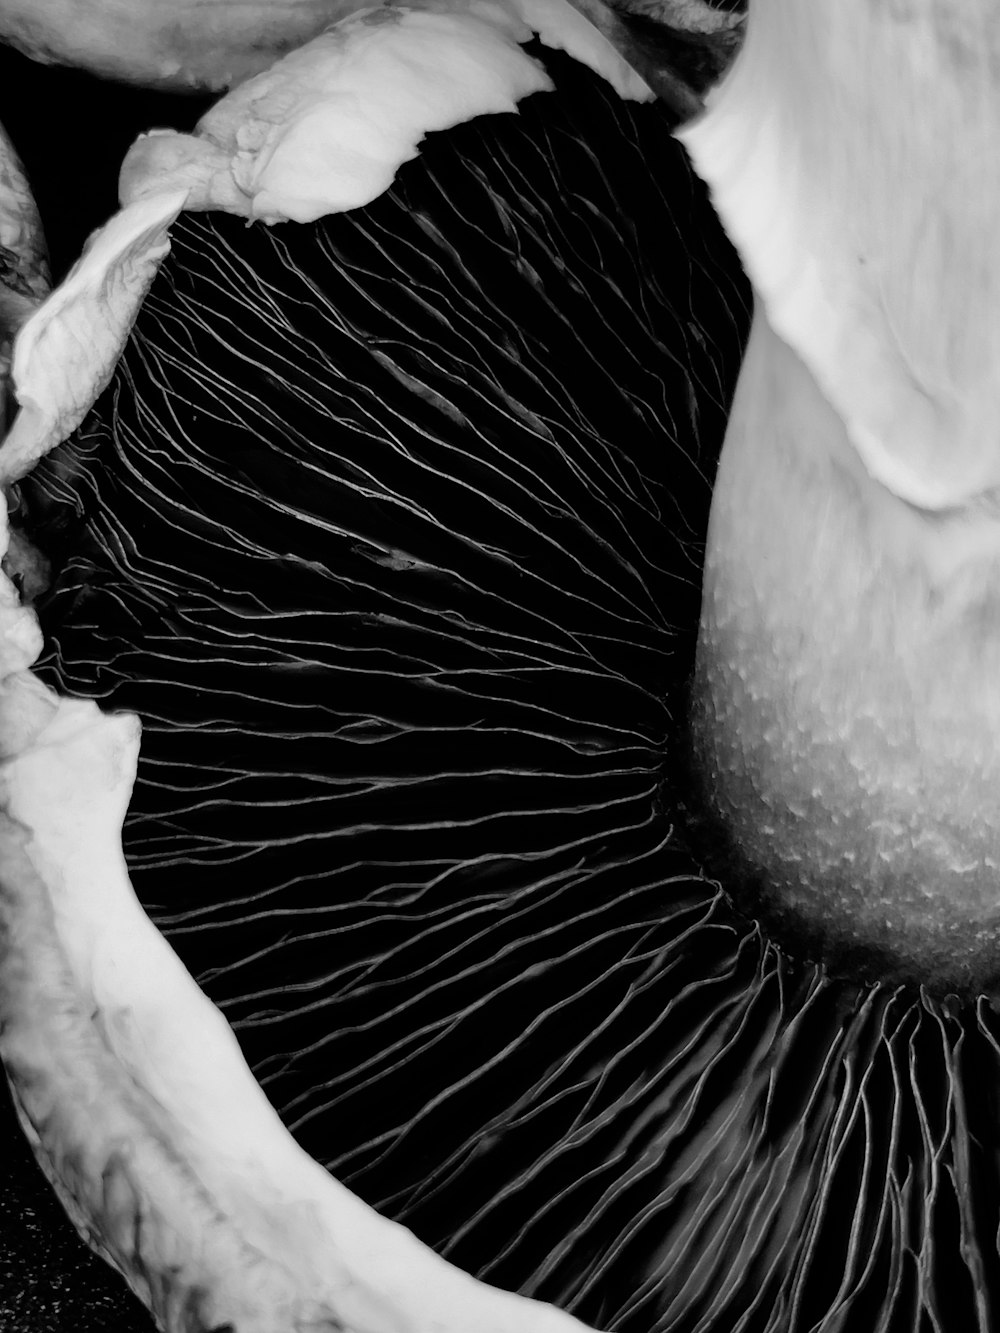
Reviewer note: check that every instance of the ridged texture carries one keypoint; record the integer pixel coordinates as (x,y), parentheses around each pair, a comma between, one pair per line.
(390,528)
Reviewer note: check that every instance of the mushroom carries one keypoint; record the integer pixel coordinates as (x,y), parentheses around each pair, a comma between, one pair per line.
(408,615)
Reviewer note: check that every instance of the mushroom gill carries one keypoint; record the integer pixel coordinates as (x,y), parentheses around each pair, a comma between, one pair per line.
(388,527)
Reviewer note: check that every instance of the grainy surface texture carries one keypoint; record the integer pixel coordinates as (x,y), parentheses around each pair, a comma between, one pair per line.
(49,1280)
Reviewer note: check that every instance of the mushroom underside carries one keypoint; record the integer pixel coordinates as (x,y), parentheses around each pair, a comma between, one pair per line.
(389,528)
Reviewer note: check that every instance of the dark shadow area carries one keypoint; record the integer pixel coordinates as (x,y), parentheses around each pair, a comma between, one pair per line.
(72,131)
(49,1280)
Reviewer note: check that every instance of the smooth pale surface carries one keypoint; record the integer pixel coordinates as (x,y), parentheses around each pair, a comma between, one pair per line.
(206,45)
(181,44)
(847,711)
(847,718)
(851,156)
(327,128)
(563,26)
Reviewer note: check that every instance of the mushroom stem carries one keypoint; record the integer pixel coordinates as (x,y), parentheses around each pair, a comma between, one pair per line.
(846,719)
